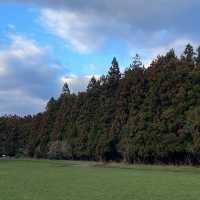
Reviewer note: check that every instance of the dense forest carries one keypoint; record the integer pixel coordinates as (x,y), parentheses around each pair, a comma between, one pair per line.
(143,115)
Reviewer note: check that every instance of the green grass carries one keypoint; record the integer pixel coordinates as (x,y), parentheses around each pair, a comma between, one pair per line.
(67,180)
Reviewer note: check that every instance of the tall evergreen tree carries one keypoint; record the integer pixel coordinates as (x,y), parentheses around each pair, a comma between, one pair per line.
(189,53)
(150,115)
(51,105)
(136,62)
(114,74)
(197,59)
(65,89)
(92,83)
(170,55)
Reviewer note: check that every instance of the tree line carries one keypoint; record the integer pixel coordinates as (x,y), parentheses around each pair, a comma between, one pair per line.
(143,115)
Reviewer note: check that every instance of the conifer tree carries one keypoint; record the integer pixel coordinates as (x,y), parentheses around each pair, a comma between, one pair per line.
(114,74)
(189,53)
(51,105)
(170,55)
(150,115)
(92,83)
(136,62)
(197,59)
(65,89)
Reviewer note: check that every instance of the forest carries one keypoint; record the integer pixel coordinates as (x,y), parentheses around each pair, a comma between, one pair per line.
(147,115)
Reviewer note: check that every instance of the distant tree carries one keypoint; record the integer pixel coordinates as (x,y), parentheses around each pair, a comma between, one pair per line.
(189,53)
(102,80)
(60,150)
(92,84)
(170,55)
(51,105)
(136,62)
(114,74)
(150,115)
(65,89)
(197,59)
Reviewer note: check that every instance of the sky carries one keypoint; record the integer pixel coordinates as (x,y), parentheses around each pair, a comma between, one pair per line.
(46,43)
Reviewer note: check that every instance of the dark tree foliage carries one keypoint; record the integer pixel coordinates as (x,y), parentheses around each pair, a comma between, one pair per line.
(114,74)
(65,89)
(136,62)
(198,56)
(147,115)
(189,53)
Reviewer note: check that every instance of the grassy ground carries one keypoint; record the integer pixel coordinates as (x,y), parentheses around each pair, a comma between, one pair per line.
(66,180)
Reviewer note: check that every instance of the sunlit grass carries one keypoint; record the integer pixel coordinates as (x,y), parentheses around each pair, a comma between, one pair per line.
(70,180)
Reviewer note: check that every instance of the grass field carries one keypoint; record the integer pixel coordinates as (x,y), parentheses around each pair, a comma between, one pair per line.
(67,180)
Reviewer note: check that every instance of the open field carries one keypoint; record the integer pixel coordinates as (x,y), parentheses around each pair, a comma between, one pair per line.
(68,180)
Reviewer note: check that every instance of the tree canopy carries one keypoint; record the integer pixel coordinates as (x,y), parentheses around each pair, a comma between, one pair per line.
(148,115)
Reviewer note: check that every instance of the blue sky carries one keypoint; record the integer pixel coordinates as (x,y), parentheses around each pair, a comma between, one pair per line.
(45,43)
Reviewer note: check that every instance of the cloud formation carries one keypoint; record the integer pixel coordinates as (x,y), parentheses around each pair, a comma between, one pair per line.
(67,25)
(27,77)
(76,83)
(88,25)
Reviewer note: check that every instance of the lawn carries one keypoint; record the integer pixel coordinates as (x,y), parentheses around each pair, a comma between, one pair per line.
(67,180)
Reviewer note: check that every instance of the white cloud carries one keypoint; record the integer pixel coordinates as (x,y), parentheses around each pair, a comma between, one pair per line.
(11,27)
(144,25)
(18,102)
(3,68)
(73,27)
(178,45)
(28,78)
(88,25)
(22,48)
(149,27)
(148,54)
(77,83)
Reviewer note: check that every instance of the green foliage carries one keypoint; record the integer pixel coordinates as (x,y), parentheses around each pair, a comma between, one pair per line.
(146,115)
(114,72)
(75,180)
(198,56)
(136,62)
(60,150)
(65,89)
(189,53)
